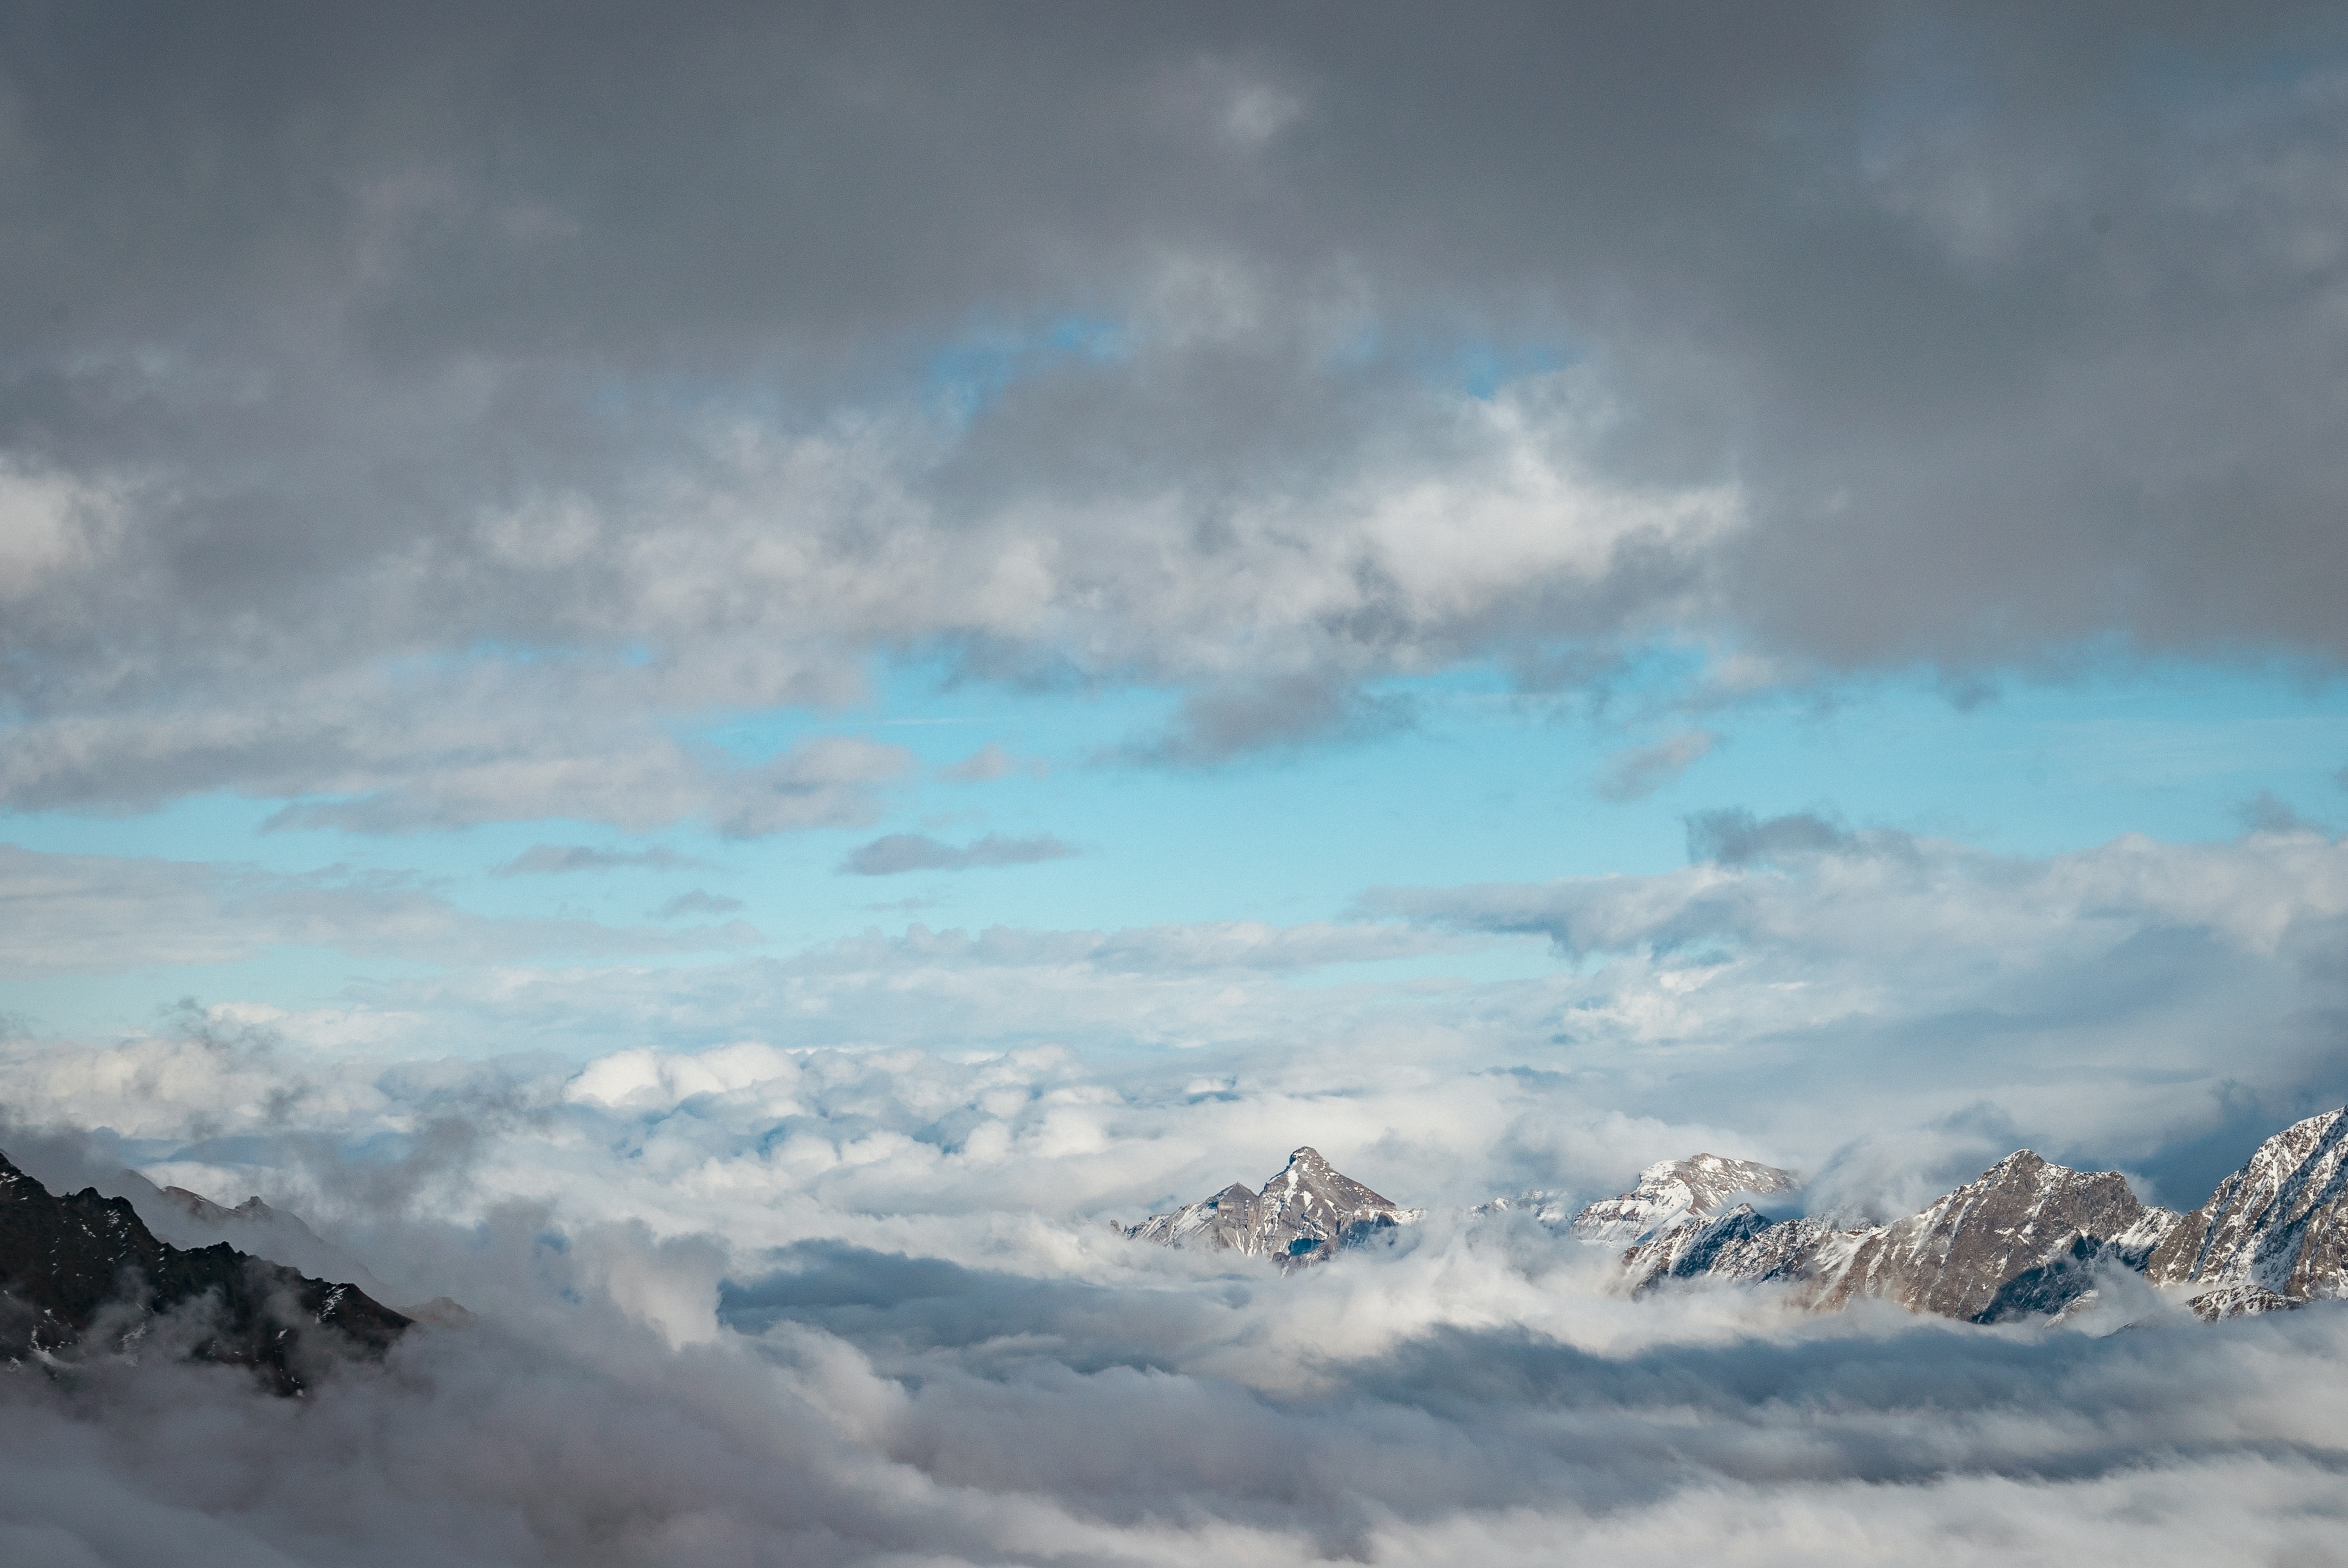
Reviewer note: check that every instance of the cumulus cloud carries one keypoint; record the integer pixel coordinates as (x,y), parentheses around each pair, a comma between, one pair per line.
(900,851)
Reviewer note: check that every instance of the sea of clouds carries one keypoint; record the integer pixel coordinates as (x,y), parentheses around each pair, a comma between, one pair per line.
(860,1302)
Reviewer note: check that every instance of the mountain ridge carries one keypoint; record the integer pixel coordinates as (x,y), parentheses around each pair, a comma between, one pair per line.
(2030,1238)
(81,1267)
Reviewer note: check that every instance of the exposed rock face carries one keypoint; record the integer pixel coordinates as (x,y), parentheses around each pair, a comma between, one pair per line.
(1741,1244)
(2275,1233)
(1675,1191)
(1954,1257)
(1300,1215)
(69,1266)
(2025,1237)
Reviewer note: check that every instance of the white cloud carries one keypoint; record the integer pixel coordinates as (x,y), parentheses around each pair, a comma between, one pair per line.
(86,914)
(845,1306)
(1639,772)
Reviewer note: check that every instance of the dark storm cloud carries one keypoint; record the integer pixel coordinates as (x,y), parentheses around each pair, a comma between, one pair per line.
(901,852)
(654,364)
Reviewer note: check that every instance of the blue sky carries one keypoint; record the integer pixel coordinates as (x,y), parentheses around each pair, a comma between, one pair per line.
(1325,525)
(1480,782)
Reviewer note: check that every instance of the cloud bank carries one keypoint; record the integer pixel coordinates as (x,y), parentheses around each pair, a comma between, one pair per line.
(348,463)
(859,1307)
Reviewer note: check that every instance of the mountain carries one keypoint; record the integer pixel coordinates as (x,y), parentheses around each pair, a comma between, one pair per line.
(1302,1215)
(2274,1234)
(2029,1237)
(1674,1191)
(84,1267)
(2025,1236)
(187,1219)
(1738,1245)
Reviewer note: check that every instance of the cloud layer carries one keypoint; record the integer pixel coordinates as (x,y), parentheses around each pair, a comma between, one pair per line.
(859,1307)
(393,427)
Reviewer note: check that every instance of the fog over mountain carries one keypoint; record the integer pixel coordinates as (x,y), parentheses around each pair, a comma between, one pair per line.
(722,700)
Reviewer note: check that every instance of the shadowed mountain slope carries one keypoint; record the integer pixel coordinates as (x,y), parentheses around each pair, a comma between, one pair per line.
(83,1269)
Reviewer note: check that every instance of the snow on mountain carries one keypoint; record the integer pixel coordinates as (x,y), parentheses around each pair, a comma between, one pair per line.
(2025,1236)
(1672,1192)
(1300,1215)
(1739,1245)
(2274,1234)
(1953,1257)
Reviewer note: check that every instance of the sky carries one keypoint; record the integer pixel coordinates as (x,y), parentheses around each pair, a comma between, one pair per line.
(712,679)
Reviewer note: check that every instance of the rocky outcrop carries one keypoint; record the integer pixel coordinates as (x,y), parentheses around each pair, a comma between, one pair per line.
(1675,1192)
(83,1267)
(2274,1234)
(1302,1215)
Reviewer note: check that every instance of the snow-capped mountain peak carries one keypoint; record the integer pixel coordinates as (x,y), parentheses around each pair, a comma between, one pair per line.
(1673,1193)
(1303,1214)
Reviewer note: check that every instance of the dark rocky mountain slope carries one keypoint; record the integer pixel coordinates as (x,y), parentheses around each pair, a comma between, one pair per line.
(84,1270)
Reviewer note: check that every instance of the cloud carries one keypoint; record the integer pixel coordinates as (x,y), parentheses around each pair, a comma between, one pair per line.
(1737,838)
(1159,384)
(990,762)
(901,852)
(697,902)
(767,1305)
(1228,721)
(2267,812)
(555,859)
(1637,773)
(84,914)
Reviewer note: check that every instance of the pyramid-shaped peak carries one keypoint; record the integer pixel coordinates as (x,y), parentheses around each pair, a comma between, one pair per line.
(1307,1155)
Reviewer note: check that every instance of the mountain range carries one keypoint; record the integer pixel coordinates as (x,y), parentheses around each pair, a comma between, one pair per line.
(2029,1237)
(2026,1238)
